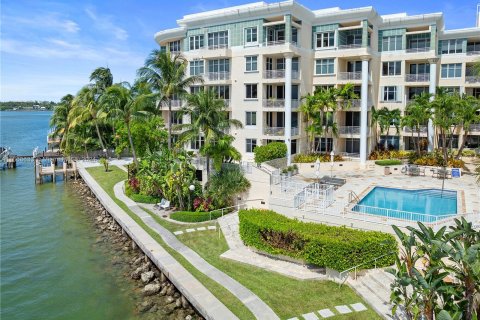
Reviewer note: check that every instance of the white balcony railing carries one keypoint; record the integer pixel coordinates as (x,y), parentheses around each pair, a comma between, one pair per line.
(354,103)
(217,46)
(279,74)
(349,130)
(226,101)
(278,131)
(349,46)
(473,53)
(212,76)
(274,43)
(417,77)
(423,129)
(472,79)
(475,127)
(413,50)
(279,103)
(176,103)
(349,76)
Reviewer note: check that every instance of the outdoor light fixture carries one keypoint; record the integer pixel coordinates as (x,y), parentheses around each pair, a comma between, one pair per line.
(191,187)
(332,156)
(317,169)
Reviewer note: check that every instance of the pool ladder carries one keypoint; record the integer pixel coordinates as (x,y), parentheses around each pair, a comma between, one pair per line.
(353,197)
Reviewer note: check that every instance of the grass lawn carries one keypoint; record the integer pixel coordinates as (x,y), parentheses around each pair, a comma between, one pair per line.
(288,297)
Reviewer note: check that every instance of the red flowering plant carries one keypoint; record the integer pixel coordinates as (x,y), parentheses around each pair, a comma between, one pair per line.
(134,183)
(202,205)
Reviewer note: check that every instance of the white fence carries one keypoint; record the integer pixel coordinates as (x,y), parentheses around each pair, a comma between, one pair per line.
(314,196)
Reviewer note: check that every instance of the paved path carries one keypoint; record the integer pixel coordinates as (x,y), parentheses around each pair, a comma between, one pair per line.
(239,252)
(195,292)
(259,308)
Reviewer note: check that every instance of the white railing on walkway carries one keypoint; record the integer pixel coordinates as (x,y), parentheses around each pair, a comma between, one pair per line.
(349,76)
(344,274)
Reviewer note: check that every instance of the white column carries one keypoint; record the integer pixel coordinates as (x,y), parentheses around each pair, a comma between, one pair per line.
(364,112)
(432,89)
(288,106)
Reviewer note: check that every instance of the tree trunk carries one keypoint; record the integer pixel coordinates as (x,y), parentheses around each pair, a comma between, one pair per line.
(135,160)
(169,124)
(99,136)
(418,141)
(180,198)
(386,138)
(460,150)
(207,160)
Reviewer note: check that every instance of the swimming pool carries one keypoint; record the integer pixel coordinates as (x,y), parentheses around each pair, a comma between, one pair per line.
(425,205)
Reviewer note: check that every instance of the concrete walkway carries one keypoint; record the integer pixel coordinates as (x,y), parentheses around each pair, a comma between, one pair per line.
(193,290)
(241,253)
(259,308)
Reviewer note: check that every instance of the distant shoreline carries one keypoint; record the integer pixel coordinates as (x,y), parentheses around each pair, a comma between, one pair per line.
(25,110)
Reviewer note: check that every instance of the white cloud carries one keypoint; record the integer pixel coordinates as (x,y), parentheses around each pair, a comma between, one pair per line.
(105,23)
(44,21)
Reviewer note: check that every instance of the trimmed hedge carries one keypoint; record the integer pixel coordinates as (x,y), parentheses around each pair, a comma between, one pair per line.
(337,248)
(388,162)
(273,150)
(312,157)
(191,216)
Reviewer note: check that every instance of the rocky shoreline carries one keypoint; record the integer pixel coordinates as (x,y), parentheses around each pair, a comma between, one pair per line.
(155,297)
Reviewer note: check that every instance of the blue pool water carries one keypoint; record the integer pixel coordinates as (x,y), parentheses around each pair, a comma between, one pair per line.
(425,205)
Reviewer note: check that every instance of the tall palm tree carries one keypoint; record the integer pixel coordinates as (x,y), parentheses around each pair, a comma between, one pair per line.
(309,109)
(468,114)
(60,120)
(208,118)
(221,150)
(167,76)
(127,103)
(417,114)
(102,77)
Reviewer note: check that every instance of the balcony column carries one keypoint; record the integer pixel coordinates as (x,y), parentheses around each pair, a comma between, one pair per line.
(364,112)
(288,106)
(431,90)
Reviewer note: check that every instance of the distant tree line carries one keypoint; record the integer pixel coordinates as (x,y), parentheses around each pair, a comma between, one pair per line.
(27,105)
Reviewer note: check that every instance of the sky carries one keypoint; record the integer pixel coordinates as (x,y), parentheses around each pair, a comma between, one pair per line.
(48,48)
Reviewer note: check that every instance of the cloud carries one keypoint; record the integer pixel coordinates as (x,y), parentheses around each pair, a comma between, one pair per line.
(50,20)
(104,23)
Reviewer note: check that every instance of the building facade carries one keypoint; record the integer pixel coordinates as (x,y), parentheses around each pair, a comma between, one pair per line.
(262,58)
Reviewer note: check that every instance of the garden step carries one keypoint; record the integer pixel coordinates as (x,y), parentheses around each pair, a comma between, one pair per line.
(375,289)
(375,302)
(382,280)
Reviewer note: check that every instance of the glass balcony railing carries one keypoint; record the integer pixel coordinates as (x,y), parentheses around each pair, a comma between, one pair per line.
(423,129)
(279,103)
(349,130)
(222,75)
(349,76)
(278,131)
(417,77)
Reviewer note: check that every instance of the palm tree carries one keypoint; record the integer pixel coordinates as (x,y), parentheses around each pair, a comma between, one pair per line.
(374,122)
(387,118)
(208,117)
(167,76)
(221,150)
(60,120)
(417,114)
(102,77)
(127,103)
(309,108)
(468,114)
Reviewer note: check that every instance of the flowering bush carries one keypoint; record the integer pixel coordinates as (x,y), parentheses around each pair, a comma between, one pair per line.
(202,205)
(134,184)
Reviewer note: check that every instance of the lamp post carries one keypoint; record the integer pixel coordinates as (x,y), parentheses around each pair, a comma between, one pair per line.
(317,169)
(332,156)
(105,153)
(191,188)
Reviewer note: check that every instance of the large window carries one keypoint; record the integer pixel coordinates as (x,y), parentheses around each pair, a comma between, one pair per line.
(251,118)
(197,143)
(223,92)
(325,39)
(324,66)
(419,68)
(174,46)
(196,42)
(251,144)
(219,65)
(418,42)
(390,93)
(392,43)
(451,46)
(323,144)
(218,40)
(251,35)
(251,63)
(354,66)
(251,91)
(392,68)
(352,145)
(451,70)
(414,92)
(195,89)
(197,67)
(176,117)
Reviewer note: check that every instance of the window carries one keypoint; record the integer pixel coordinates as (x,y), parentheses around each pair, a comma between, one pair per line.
(295,64)
(251,144)
(420,68)
(294,35)
(251,91)
(325,39)
(176,117)
(392,68)
(324,66)
(392,43)
(473,47)
(354,66)
(352,118)
(196,42)
(451,70)
(451,46)
(218,40)
(251,63)
(418,42)
(323,144)
(174,46)
(197,67)
(197,143)
(416,91)
(390,93)
(281,64)
(223,92)
(251,35)
(195,89)
(352,145)
(251,118)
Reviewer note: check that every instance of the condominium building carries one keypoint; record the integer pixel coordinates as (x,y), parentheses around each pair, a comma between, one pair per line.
(262,58)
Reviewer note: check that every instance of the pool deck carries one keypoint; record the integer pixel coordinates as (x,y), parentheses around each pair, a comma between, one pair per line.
(361,181)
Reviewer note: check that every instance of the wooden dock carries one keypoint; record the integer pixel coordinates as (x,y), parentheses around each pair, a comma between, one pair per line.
(67,170)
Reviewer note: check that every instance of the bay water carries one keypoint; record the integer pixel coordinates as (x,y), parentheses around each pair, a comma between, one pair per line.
(50,266)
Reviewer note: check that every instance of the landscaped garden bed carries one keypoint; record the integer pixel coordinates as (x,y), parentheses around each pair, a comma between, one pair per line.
(337,248)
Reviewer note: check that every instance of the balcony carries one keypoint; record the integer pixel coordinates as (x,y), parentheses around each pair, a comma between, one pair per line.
(349,76)
(475,127)
(279,103)
(472,79)
(176,103)
(278,131)
(349,130)
(415,50)
(423,129)
(417,77)
(349,46)
(213,76)
(217,46)
(354,104)
(279,74)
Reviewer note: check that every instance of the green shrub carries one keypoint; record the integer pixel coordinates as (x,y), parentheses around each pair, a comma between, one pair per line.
(388,162)
(338,248)
(312,157)
(189,216)
(139,197)
(273,150)
(390,154)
